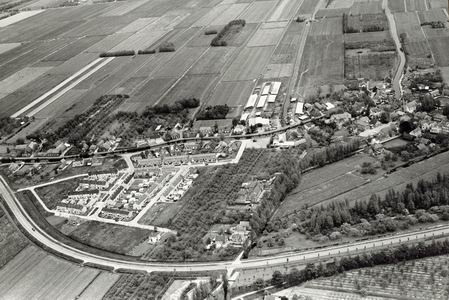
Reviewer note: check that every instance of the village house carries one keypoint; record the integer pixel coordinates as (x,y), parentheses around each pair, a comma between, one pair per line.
(154,237)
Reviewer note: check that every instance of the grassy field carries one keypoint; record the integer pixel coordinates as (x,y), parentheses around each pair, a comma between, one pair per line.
(34,274)
(110,237)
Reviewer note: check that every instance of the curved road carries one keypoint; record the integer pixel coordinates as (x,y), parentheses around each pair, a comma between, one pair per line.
(297,257)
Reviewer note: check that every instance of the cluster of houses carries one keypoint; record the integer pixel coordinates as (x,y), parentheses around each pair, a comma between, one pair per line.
(222,236)
(179,187)
(251,193)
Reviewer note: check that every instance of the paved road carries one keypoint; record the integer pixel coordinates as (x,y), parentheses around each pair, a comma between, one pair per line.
(30,226)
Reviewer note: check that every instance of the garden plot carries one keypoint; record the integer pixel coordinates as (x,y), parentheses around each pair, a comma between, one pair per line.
(181,62)
(232,93)
(285,10)
(396,5)
(124,8)
(266,37)
(248,64)
(257,11)
(21,78)
(231,13)
(367,64)
(194,86)
(415,5)
(213,61)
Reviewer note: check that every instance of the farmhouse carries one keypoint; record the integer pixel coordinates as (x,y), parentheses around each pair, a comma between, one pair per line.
(154,237)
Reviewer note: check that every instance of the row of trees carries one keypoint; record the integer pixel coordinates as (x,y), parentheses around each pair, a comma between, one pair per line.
(220,39)
(118,53)
(213,112)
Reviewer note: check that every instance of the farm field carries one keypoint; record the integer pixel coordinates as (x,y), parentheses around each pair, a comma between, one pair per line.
(34,274)
(432,15)
(213,61)
(257,11)
(396,5)
(416,5)
(21,78)
(307,7)
(438,4)
(439,45)
(232,93)
(12,241)
(415,42)
(319,65)
(361,7)
(324,294)
(416,279)
(248,64)
(231,13)
(287,50)
(285,10)
(266,37)
(180,63)
(194,86)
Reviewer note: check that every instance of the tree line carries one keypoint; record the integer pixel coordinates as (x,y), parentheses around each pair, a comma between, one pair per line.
(220,38)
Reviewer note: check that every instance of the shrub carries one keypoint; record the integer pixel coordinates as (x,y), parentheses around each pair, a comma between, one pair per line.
(152,51)
(118,53)
(300,19)
(167,47)
(210,32)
